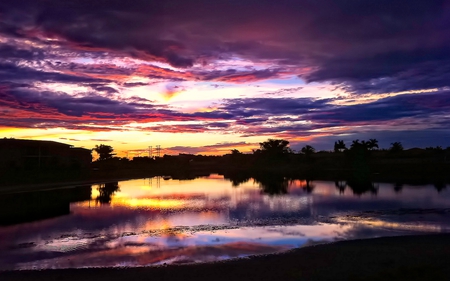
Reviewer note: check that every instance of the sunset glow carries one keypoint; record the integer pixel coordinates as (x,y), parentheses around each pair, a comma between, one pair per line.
(208,78)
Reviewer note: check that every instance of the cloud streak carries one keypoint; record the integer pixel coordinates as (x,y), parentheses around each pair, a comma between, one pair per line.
(111,65)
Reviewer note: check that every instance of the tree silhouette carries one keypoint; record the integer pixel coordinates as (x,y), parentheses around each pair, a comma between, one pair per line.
(355,144)
(341,186)
(104,151)
(364,145)
(106,191)
(273,150)
(398,187)
(372,144)
(308,150)
(362,184)
(272,184)
(237,178)
(308,187)
(275,146)
(235,152)
(339,146)
(396,147)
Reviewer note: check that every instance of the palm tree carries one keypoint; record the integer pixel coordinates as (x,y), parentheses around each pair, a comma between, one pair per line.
(396,147)
(372,144)
(308,150)
(355,144)
(339,146)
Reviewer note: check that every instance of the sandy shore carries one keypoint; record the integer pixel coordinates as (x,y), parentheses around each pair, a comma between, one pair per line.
(409,258)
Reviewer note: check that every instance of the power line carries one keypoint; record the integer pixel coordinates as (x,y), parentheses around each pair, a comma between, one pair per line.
(158,150)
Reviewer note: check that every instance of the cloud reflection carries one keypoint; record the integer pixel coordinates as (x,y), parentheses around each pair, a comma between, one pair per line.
(176,221)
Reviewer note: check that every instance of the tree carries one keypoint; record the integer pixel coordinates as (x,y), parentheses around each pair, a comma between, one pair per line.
(396,147)
(355,144)
(275,146)
(364,145)
(104,151)
(339,146)
(372,144)
(235,152)
(308,150)
(273,150)
(236,157)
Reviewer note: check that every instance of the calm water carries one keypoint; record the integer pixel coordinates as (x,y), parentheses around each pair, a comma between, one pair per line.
(156,221)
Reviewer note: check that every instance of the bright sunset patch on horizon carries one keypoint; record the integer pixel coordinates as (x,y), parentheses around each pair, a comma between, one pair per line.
(207,76)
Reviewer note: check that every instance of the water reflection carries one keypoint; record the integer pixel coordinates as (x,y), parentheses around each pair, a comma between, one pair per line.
(106,191)
(398,187)
(276,184)
(31,206)
(272,184)
(440,186)
(360,186)
(150,221)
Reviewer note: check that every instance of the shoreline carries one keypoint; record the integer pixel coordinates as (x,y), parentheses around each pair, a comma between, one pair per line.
(418,257)
(26,187)
(59,185)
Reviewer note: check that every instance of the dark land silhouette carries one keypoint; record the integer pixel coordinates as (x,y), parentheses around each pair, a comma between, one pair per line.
(357,162)
(38,205)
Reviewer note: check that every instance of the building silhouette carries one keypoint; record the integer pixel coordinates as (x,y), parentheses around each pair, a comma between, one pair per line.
(18,154)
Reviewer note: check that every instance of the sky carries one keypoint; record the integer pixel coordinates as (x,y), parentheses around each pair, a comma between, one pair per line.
(205,77)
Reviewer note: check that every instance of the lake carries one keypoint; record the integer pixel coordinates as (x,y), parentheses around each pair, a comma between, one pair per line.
(156,221)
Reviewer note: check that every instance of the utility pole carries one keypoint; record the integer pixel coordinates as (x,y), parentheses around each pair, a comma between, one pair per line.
(158,150)
(150,152)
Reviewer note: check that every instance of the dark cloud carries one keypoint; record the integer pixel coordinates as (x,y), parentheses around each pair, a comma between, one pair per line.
(391,108)
(284,91)
(271,106)
(103,88)
(193,128)
(12,52)
(233,75)
(226,144)
(389,72)
(360,46)
(13,72)
(339,40)
(134,84)
(31,99)
(66,139)
(258,110)
(103,140)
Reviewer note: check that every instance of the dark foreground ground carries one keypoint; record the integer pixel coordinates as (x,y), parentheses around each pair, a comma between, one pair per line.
(395,258)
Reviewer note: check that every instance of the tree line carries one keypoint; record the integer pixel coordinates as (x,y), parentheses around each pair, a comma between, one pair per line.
(277,148)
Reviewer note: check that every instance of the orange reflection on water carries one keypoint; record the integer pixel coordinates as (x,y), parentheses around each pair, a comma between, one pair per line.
(414,226)
(150,203)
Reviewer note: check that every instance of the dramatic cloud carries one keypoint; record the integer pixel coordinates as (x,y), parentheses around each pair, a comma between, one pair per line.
(292,69)
(25,106)
(342,41)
